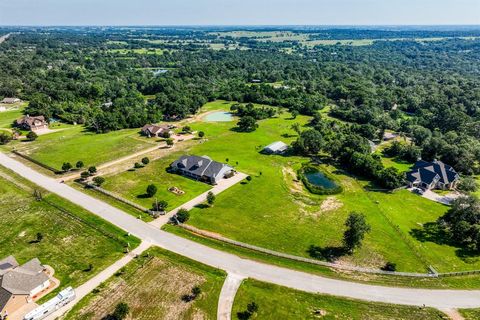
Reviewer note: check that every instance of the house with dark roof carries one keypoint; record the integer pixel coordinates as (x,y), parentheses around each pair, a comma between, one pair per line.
(202,168)
(32,123)
(432,175)
(20,284)
(152,130)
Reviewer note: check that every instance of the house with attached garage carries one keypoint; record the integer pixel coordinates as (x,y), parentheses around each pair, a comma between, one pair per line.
(32,123)
(202,168)
(432,175)
(19,285)
(152,130)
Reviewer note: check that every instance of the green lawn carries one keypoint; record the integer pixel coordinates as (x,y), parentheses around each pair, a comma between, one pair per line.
(276,302)
(68,245)
(153,285)
(8,117)
(470,314)
(132,185)
(73,143)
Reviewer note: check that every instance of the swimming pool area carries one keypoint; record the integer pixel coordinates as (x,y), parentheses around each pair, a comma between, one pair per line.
(220,116)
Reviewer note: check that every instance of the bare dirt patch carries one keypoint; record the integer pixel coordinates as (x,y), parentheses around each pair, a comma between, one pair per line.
(330,204)
(291,180)
(152,291)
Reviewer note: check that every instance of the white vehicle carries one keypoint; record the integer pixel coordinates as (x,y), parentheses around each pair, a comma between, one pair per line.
(63,298)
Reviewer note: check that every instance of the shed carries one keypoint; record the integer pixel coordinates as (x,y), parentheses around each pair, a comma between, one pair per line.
(277,147)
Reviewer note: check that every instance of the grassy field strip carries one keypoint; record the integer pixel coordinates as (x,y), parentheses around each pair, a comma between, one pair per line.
(272,253)
(276,302)
(458,282)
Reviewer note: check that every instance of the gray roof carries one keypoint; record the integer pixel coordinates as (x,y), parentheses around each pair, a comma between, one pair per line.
(427,172)
(25,278)
(200,166)
(7,264)
(277,146)
(4,297)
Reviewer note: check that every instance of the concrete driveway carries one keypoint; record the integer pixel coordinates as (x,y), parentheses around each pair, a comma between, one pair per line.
(440,299)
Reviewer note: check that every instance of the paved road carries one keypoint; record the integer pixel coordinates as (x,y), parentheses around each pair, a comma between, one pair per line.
(227,296)
(232,264)
(220,187)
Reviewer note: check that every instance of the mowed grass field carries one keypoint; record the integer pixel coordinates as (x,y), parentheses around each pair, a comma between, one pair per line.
(73,143)
(68,245)
(274,212)
(153,285)
(276,302)
(9,116)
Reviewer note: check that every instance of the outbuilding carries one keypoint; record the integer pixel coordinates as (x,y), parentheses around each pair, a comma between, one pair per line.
(277,147)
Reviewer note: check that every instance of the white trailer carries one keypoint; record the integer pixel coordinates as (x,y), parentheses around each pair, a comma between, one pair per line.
(63,298)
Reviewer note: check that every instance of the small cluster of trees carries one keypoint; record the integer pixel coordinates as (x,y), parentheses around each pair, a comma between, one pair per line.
(196,291)
(406,152)
(462,222)
(349,149)
(250,111)
(89,172)
(145,161)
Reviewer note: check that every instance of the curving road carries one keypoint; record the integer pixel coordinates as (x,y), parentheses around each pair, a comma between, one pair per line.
(441,299)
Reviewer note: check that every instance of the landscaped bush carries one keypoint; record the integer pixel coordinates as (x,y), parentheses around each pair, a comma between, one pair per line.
(314,188)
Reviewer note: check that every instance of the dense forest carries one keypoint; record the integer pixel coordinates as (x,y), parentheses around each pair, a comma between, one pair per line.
(428,91)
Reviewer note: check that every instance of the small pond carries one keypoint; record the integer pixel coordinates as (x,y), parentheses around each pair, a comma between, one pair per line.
(221,116)
(319,179)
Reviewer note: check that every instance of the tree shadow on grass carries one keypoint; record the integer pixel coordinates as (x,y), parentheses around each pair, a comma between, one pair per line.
(330,254)
(143,196)
(202,206)
(432,232)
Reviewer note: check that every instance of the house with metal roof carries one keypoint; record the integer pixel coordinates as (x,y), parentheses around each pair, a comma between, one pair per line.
(20,284)
(202,168)
(432,175)
(277,147)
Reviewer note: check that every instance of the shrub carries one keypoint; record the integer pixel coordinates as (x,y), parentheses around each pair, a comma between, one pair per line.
(79,164)
(137,165)
(390,266)
(145,161)
(249,178)
(160,205)
(92,170)
(121,311)
(210,198)
(99,180)
(32,136)
(84,174)
(201,134)
(5,138)
(183,215)
(66,166)
(151,190)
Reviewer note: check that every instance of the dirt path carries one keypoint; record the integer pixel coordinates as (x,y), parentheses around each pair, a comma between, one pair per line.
(227,296)
(453,314)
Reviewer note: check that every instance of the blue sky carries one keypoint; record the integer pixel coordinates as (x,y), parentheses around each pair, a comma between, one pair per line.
(230,12)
